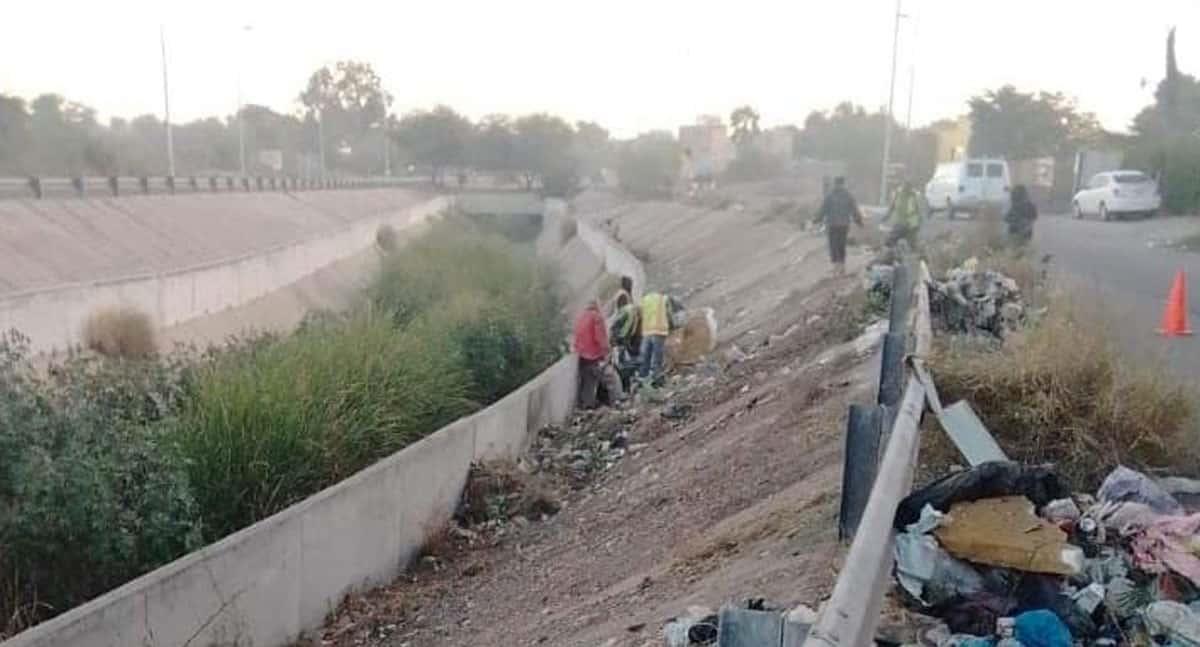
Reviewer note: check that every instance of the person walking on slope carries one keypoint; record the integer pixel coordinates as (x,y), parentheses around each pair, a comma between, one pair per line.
(655,326)
(1021,214)
(591,344)
(838,209)
(905,215)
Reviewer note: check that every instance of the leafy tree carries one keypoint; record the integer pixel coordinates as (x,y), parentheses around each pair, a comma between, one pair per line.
(1017,125)
(542,151)
(349,100)
(592,148)
(1166,136)
(15,136)
(744,121)
(438,138)
(648,166)
(494,145)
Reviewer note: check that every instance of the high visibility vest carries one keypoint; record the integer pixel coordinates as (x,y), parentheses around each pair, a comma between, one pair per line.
(908,209)
(655,318)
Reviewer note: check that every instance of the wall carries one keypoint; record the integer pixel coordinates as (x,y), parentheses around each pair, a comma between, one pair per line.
(264,585)
(53,318)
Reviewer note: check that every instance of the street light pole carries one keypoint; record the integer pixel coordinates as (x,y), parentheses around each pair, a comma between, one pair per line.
(887,126)
(240,117)
(162,41)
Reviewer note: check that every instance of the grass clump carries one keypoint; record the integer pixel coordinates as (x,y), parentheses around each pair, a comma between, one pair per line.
(268,427)
(1062,393)
(120,332)
(386,239)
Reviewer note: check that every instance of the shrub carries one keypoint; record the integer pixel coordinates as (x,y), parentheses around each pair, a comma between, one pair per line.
(386,239)
(120,332)
(93,490)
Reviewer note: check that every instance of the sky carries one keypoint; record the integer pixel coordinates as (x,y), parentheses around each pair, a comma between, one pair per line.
(632,65)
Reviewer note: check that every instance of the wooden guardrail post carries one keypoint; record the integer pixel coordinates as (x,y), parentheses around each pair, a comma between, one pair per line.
(35,186)
(114,186)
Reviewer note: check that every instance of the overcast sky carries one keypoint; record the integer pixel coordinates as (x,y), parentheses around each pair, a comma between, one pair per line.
(632,65)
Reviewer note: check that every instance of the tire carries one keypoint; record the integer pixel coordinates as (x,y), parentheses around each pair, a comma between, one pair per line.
(1104,214)
(1077,210)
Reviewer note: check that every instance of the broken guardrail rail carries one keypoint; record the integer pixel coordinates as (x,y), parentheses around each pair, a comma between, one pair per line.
(850,616)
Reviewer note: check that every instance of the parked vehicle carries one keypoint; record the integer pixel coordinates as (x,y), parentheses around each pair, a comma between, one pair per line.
(1113,194)
(969,186)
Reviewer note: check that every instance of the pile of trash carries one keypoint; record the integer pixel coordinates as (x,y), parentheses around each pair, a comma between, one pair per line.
(593,443)
(1003,555)
(971,301)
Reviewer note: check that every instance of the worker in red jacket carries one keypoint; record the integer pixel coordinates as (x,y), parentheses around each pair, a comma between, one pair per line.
(591,344)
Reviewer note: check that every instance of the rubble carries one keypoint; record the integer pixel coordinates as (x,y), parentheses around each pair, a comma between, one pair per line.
(970,301)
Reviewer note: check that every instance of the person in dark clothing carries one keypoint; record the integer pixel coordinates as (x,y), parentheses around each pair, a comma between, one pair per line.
(838,209)
(1021,214)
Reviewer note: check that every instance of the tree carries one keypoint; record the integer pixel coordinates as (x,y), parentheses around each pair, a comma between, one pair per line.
(15,137)
(648,166)
(1016,125)
(744,121)
(494,146)
(542,151)
(438,138)
(349,100)
(1166,136)
(592,147)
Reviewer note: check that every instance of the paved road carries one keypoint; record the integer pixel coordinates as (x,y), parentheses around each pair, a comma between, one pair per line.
(1123,268)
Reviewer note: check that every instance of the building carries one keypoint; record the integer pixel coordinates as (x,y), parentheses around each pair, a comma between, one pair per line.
(708,145)
(953,136)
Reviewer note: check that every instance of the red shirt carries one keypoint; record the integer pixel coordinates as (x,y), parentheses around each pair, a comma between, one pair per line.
(591,335)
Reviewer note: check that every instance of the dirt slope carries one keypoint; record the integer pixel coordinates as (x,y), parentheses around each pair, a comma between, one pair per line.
(734,496)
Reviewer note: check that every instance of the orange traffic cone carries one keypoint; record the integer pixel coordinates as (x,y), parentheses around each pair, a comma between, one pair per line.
(1175,317)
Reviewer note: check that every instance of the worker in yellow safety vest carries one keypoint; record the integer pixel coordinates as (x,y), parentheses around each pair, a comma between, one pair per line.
(905,215)
(655,326)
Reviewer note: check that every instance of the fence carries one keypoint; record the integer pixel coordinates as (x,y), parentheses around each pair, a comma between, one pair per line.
(36,187)
(850,616)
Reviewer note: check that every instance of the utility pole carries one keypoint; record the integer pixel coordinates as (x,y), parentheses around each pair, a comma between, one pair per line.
(887,125)
(162,41)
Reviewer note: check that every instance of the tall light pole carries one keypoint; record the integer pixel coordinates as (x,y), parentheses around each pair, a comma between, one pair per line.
(241,119)
(162,41)
(887,125)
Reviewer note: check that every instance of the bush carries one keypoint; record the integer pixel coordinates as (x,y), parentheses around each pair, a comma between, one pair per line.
(93,490)
(1062,394)
(386,239)
(120,332)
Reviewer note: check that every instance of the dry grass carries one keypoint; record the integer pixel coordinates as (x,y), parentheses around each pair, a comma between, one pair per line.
(1061,392)
(121,332)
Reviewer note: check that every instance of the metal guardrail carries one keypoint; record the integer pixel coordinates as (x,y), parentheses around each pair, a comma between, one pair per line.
(38,187)
(850,617)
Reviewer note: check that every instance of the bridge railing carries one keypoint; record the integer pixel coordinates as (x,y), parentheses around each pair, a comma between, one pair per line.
(40,187)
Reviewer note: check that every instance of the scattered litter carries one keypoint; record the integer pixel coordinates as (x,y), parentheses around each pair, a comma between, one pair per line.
(1174,621)
(1124,484)
(971,302)
(1038,483)
(1170,543)
(929,573)
(1005,532)
(698,627)
(676,411)
(1062,511)
(1041,629)
(969,435)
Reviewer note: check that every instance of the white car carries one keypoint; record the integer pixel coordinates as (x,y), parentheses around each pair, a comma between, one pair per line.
(969,185)
(1115,193)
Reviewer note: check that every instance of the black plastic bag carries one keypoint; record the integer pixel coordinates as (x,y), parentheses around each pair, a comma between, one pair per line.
(1038,483)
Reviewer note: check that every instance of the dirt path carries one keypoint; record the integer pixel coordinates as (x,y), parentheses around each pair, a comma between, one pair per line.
(735,498)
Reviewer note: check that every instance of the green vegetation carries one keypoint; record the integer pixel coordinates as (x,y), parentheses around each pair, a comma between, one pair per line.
(111,467)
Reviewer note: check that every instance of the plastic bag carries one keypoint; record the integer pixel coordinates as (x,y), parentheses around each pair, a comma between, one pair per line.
(1124,484)
(1038,483)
